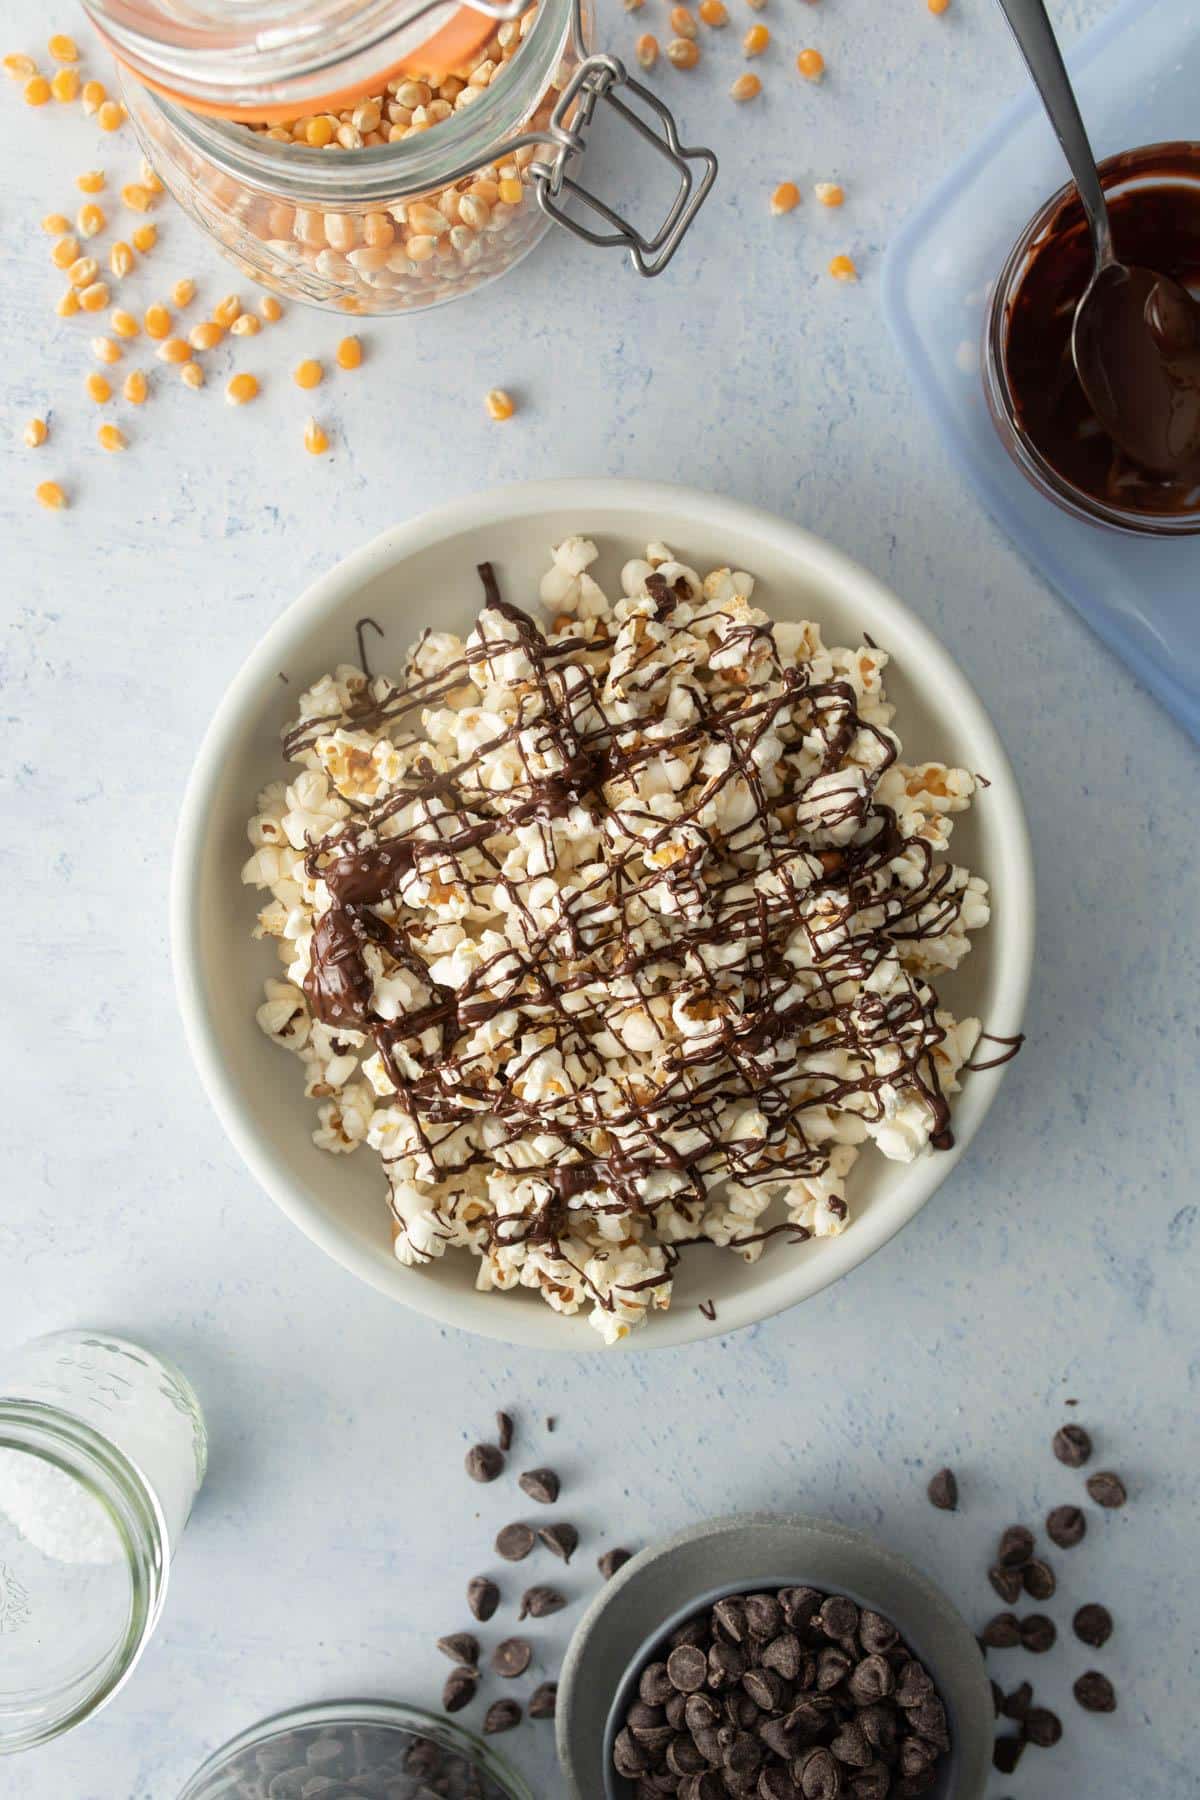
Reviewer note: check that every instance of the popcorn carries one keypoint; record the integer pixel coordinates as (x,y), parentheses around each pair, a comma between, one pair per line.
(615,932)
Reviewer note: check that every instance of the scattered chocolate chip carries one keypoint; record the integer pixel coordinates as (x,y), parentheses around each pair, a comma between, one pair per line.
(541,1485)
(1042,1727)
(611,1560)
(561,1540)
(484,1462)
(1107,1489)
(1007,1583)
(540,1602)
(460,1647)
(543,1701)
(501,1715)
(1017,1704)
(1093,1625)
(1007,1753)
(1039,1579)
(504,1430)
(1016,1547)
(551,1423)
(1095,1692)
(1072,1445)
(1038,1633)
(511,1658)
(459,1690)
(1001,1633)
(514,1542)
(1066,1526)
(483,1597)
(943,1490)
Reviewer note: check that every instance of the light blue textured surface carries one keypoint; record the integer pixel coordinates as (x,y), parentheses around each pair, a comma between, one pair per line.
(336,1531)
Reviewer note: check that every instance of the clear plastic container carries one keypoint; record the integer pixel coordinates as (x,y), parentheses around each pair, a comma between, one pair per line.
(389,226)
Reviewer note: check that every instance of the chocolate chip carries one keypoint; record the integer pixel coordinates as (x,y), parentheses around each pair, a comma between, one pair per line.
(1001,1633)
(655,1686)
(913,1684)
(501,1715)
(504,1430)
(514,1542)
(511,1658)
(833,1666)
(1042,1727)
(1066,1526)
(850,1746)
(726,1665)
(1038,1633)
(540,1602)
(484,1462)
(838,1617)
(611,1560)
(929,1721)
(561,1540)
(688,1668)
(1107,1489)
(1095,1693)
(460,1647)
(1093,1625)
(459,1690)
(1072,1446)
(875,1633)
(1007,1583)
(1007,1753)
(784,1655)
(1039,1579)
(943,1490)
(541,1485)
(483,1596)
(799,1604)
(543,1700)
(1016,1547)
(764,1615)
(775,1783)
(818,1775)
(729,1616)
(871,1681)
(1017,1704)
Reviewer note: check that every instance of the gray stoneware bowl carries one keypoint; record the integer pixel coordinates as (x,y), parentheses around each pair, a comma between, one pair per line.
(638,1609)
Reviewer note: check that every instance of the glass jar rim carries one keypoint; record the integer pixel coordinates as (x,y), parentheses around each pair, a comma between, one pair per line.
(998,391)
(342,180)
(66,1443)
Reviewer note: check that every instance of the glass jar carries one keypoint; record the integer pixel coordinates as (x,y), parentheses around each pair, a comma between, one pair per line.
(395,226)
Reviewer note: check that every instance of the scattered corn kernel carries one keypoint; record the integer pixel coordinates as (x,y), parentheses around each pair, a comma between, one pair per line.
(135,388)
(150,177)
(811,64)
(755,40)
(842,269)
(65,252)
(95,297)
(184,292)
(682,53)
(55,224)
(120,258)
(63,49)
(246,325)
(227,310)
(37,91)
(829,193)
(206,335)
(124,323)
(646,50)
(499,404)
(64,85)
(315,440)
(714,13)
(157,320)
(174,350)
(633,5)
(67,305)
(682,23)
(349,353)
(192,375)
(36,433)
(145,238)
(937,7)
(94,95)
(106,351)
(110,115)
(90,220)
(98,388)
(270,309)
(756,5)
(19,67)
(83,271)
(746,87)
(241,388)
(111,437)
(786,198)
(136,197)
(50,495)
(90,182)
(309,373)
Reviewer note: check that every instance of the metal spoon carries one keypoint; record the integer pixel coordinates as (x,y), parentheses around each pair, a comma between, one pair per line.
(1136,336)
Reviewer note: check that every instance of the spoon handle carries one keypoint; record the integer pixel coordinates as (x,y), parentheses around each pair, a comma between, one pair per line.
(1038,45)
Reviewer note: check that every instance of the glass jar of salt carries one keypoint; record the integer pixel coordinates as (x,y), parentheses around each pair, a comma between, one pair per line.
(102,1452)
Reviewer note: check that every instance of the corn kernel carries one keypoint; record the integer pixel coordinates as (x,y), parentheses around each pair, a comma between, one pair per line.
(120,258)
(315,440)
(511,191)
(842,269)
(95,297)
(63,49)
(227,310)
(246,325)
(157,320)
(206,335)
(319,132)
(150,177)
(499,404)
(786,198)
(145,238)
(111,437)
(811,64)
(714,13)
(106,351)
(682,22)
(94,95)
(55,224)
(37,91)
(19,67)
(349,353)
(174,350)
(270,308)
(755,40)
(90,182)
(64,85)
(241,388)
(136,197)
(829,193)
(937,7)
(98,388)
(110,116)
(184,292)
(65,252)
(135,388)
(35,433)
(682,53)
(90,220)
(192,375)
(67,305)
(124,323)
(50,495)
(646,50)
(309,373)
(633,5)
(746,87)
(83,271)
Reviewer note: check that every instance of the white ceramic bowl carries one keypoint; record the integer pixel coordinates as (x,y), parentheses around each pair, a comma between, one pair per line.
(423,573)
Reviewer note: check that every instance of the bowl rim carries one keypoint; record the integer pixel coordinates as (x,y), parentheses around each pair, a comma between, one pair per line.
(526,500)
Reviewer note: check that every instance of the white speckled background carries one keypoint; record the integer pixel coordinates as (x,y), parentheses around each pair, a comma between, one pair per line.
(336,1532)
